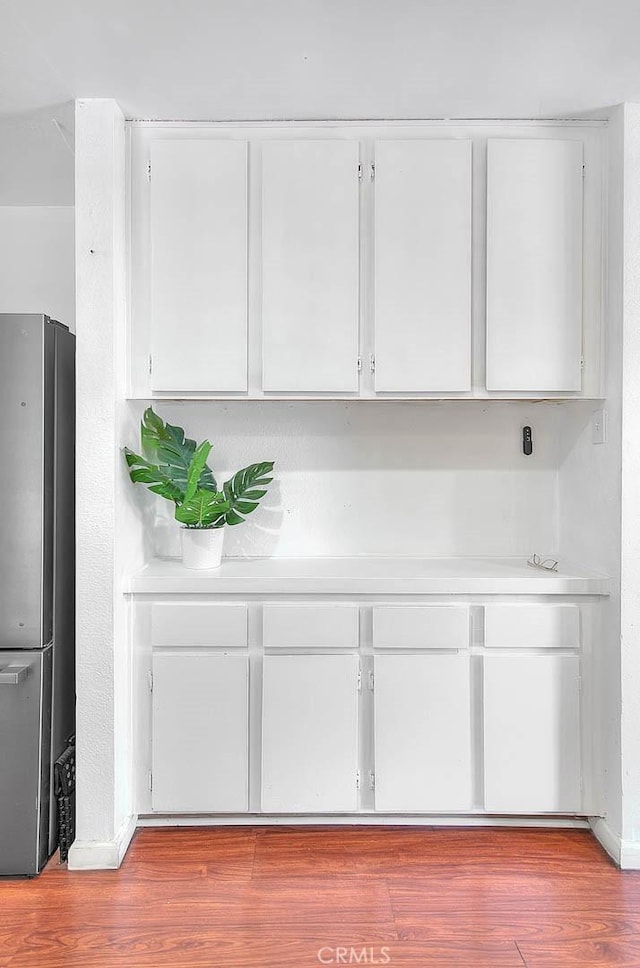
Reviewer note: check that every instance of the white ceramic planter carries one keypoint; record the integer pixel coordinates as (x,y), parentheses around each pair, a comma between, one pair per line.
(202,547)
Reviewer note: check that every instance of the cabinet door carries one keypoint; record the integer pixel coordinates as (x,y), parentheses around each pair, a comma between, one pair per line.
(310,265)
(199,265)
(422,733)
(423,266)
(200,733)
(310,733)
(531,734)
(534,265)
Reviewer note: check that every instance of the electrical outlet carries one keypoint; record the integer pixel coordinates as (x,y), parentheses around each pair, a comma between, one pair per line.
(599,427)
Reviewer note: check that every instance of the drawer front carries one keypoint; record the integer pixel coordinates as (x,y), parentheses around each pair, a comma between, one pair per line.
(532,626)
(310,626)
(199,624)
(420,627)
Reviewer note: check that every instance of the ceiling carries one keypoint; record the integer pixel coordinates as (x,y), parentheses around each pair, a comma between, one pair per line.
(263,59)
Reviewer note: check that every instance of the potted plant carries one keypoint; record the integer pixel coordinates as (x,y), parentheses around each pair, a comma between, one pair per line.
(176,469)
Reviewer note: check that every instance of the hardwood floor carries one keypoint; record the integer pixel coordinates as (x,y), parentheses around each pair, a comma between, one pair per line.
(243,897)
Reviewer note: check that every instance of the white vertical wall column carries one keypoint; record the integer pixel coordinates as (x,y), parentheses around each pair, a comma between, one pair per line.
(617,653)
(104,813)
(630,563)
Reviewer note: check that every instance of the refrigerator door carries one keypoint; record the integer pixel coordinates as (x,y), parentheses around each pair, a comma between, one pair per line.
(26,481)
(25,727)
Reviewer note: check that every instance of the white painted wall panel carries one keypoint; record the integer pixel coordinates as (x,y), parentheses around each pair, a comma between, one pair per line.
(534,264)
(423,733)
(531,734)
(532,626)
(423,265)
(199,265)
(420,626)
(37,261)
(310,265)
(455,474)
(310,626)
(200,733)
(309,733)
(189,624)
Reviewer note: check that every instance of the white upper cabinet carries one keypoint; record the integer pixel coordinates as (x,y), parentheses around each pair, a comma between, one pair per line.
(422,266)
(310,266)
(199,265)
(271,261)
(534,265)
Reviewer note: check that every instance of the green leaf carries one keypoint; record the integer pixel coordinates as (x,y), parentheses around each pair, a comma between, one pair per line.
(167,445)
(245,489)
(196,467)
(245,507)
(141,471)
(203,510)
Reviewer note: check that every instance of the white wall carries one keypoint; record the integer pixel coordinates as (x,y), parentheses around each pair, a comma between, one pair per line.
(107,526)
(630,558)
(37,261)
(380,479)
(600,509)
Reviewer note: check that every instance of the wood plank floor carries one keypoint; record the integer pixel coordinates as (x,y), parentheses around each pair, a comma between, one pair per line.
(244,897)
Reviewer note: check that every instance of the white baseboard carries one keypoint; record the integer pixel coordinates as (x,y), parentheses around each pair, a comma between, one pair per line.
(363,819)
(95,855)
(626,853)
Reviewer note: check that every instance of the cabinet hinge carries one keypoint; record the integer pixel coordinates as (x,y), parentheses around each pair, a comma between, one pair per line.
(584,169)
(357,779)
(150,776)
(360,172)
(372,780)
(372,363)
(372,680)
(150,681)
(359,679)
(150,363)
(359,364)
(582,363)
(149,170)
(372,172)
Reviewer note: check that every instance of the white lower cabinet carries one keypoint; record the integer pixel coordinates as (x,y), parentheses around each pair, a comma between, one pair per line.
(310,734)
(531,734)
(200,733)
(423,733)
(444,725)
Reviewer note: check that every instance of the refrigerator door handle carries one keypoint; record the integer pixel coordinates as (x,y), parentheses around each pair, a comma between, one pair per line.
(13,674)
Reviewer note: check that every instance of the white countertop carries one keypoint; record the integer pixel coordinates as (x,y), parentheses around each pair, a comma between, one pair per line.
(365,576)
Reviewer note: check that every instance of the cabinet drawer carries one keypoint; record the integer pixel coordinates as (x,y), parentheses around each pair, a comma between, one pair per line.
(420,627)
(310,626)
(532,626)
(185,624)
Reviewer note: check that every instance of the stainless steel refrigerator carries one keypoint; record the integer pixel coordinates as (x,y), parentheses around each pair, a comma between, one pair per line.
(37,579)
